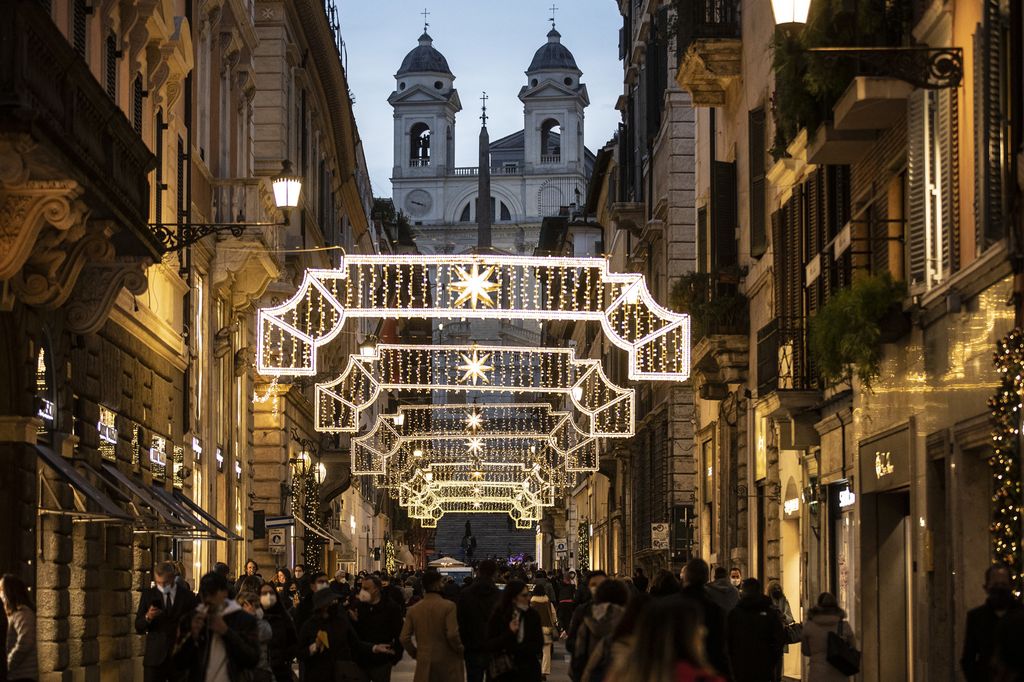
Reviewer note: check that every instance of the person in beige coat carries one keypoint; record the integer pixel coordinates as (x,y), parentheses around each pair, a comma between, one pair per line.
(433,624)
(822,619)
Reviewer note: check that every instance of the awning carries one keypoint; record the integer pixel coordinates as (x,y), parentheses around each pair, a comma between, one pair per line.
(149,499)
(185,514)
(202,513)
(109,510)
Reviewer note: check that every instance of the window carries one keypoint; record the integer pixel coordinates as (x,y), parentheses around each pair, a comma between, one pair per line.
(756,143)
(111,55)
(506,214)
(550,141)
(464,217)
(419,145)
(723,216)
(108,434)
(137,95)
(933,234)
(46,408)
(158,456)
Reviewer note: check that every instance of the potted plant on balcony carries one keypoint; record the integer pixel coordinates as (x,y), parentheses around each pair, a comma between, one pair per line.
(713,303)
(846,334)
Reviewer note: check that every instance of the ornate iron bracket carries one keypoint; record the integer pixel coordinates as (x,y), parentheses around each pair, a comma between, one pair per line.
(175,237)
(933,68)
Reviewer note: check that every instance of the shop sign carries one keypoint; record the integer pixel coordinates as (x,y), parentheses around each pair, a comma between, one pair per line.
(791,506)
(659,536)
(846,498)
(885,460)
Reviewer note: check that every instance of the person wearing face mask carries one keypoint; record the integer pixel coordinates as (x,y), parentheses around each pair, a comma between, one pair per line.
(984,620)
(220,642)
(316,582)
(722,592)
(515,637)
(601,620)
(250,603)
(430,635)
(735,577)
(329,645)
(584,604)
(378,620)
(823,619)
(161,608)
(281,649)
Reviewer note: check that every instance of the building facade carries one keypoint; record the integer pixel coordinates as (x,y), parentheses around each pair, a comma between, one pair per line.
(134,424)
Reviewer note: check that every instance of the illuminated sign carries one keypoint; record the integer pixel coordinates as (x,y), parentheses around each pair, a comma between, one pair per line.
(791,506)
(846,498)
(883,464)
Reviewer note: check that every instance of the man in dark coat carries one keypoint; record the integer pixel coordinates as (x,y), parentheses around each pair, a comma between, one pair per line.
(161,609)
(983,621)
(754,635)
(475,606)
(695,577)
(329,645)
(378,620)
(222,640)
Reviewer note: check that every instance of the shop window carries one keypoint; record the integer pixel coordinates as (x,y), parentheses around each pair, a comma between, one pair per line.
(107,427)
(46,408)
(178,467)
(158,456)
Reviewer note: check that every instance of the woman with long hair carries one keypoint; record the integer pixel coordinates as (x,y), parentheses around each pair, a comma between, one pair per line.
(21,629)
(283,585)
(284,640)
(668,645)
(514,637)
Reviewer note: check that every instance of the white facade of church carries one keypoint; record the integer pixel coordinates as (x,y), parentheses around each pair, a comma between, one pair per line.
(534,172)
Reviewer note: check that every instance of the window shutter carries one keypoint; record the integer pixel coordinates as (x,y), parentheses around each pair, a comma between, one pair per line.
(111,65)
(180,180)
(917,188)
(988,129)
(878,233)
(756,143)
(947,143)
(137,104)
(793,302)
(723,215)
(79,28)
(814,235)
(702,239)
(779,257)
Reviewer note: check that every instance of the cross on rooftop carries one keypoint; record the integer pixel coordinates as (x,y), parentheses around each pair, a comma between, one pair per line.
(552,19)
(483,114)
(425,14)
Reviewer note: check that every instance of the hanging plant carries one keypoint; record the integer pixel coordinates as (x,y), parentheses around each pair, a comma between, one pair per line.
(846,333)
(711,312)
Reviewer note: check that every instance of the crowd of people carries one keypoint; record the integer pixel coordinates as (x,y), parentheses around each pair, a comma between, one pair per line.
(499,625)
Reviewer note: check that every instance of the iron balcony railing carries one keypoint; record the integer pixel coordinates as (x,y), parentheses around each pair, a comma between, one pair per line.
(783,361)
(701,19)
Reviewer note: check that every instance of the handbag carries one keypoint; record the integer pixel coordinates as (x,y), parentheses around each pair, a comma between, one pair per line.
(499,665)
(794,632)
(842,655)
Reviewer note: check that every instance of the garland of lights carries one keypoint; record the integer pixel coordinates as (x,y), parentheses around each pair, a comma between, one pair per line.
(389,555)
(478,287)
(583,555)
(1007,499)
(605,410)
(306,505)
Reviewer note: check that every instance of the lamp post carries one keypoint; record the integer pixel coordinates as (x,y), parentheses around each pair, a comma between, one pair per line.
(176,236)
(308,473)
(933,68)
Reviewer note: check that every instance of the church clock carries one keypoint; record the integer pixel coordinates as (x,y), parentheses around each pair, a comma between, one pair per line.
(418,203)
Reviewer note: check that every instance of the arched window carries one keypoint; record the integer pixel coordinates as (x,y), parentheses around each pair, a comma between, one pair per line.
(550,141)
(500,212)
(506,214)
(419,145)
(464,216)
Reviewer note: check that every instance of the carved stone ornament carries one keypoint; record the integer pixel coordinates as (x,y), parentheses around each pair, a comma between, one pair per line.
(26,209)
(98,287)
(55,265)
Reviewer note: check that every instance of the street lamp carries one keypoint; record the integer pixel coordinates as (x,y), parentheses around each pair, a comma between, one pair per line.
(932,68)
(369,346)
(176,236)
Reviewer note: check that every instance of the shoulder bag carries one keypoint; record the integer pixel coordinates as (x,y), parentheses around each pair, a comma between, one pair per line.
(842,655)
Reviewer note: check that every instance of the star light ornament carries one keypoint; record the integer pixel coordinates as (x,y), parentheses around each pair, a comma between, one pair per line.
(474,287)
(475,367)
(475,445)
(474,421)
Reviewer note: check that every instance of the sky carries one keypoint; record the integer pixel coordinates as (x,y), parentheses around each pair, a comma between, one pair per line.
(488,45)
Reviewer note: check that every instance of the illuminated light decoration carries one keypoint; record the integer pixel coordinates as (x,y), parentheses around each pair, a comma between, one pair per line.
(475,368)
(158,451)
(474,421)
(514,432)
(219,456)
(603,409)
(197,448)
(428,501)
(1008,497)
(474,286)
(847,498)
(108,434)
(583,553)
(432,287)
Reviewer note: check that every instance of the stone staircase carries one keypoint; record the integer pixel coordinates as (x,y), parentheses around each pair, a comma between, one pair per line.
(495,536)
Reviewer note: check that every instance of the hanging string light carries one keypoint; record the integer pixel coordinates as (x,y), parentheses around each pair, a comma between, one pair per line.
(1007,499)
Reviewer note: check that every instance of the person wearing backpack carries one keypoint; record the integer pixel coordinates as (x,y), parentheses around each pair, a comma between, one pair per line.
(822,620)
(599,622)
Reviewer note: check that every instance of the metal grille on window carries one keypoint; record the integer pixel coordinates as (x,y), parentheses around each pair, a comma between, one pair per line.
(79,25)
(757,142)
(111,56)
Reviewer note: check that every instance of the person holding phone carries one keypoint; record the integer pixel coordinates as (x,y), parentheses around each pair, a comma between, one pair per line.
(161,608)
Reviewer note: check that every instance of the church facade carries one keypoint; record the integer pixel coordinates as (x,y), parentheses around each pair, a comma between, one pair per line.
(534,172)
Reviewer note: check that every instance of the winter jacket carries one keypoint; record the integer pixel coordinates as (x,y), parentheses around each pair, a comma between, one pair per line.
(283,645)
(599,623)
(714,620)
(21,645)
(437,648)
(380,623)
(814,644)
(755,638)
(525,651)
(723,593)
(979,640)
(240,645)
(476,604)
(343,646)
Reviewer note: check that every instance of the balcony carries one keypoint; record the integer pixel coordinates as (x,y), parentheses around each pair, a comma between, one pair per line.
(709,49)
(419,163)
(550,159)
(473,171)
(872,103)
(719,323)
(787,385)
(246,264)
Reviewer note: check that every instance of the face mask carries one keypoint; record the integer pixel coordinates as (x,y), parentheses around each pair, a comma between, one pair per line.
(735,582)
(166,589)
(522,607)
(268,600)
(364,596)
(259,613)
